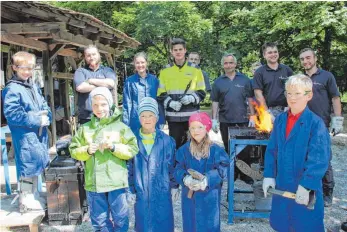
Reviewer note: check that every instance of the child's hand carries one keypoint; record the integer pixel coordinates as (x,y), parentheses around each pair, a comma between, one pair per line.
(105,145)
(93,147)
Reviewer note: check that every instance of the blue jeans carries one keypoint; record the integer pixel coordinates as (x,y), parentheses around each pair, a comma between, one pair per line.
(100,206)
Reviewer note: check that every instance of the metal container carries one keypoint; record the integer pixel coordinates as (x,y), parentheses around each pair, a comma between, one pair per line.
(66,197)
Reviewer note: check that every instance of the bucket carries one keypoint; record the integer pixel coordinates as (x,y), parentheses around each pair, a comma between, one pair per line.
(261,203)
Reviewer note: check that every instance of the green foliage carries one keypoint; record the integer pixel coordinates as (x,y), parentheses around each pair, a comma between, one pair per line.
(213,28)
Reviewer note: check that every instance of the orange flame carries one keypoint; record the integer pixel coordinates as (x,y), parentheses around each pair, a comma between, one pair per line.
(263,122)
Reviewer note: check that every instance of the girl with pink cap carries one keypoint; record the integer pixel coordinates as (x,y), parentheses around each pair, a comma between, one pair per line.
(201,212)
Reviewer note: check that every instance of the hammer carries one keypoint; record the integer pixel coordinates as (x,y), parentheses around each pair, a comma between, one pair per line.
(290,195)
(197,176)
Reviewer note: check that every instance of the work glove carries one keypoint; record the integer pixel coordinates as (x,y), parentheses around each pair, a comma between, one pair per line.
(175,105)
(175,194)
(252,121)
(272,115)
(93,147)
(187,99)
(191,183)
(336,125)
(267,183)
(302,196)
(131,198)
(286,109)
(215,126)
(44,118)
(203,184)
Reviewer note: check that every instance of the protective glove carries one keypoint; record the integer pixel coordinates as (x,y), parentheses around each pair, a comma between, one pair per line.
(302,196)
(267,183)
(93,147)
(187,99)
(286,109)
(191,183)
(203,184)
(175,105)
(252,121)
(336,125)
(175,194)
(215,126)
(131,198)
(44,120)
(272,115)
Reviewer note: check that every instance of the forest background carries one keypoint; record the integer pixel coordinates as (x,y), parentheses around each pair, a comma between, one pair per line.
(213,28)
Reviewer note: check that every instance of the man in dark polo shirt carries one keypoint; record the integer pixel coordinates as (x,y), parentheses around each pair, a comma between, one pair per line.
(269,81)
(325,95)
(230,94)
(194,58)
(87,78)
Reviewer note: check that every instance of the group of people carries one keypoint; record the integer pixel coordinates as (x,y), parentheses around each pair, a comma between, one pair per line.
(129,158)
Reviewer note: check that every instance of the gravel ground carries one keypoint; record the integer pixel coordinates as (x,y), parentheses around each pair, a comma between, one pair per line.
(333,215)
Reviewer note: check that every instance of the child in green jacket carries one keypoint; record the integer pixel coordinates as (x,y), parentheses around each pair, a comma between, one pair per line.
(105,143)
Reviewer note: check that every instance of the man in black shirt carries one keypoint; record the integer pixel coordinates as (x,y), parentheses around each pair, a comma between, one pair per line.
(325,95)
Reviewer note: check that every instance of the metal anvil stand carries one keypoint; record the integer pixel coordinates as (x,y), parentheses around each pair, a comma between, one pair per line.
(236,146)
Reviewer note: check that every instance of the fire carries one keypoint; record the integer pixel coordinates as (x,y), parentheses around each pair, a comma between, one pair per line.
(263,122)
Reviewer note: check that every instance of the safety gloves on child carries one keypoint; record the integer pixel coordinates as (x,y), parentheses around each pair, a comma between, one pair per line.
(215,125)
(302,195)
(267,183)
(187,99)
(336,125)
(175,105)
(44,118)
(194,184)
(252,121)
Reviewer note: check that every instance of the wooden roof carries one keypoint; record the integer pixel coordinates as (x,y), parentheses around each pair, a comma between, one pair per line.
(38,25)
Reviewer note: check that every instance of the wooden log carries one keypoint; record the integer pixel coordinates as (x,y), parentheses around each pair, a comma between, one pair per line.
(61,75)
(69,53)
(55,51)
(22,41)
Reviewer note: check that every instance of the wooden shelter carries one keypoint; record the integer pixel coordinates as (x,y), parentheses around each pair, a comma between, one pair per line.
(51,32)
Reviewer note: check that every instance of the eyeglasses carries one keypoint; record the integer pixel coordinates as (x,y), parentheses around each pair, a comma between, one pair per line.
(197,129)
(295,95)
(25,68)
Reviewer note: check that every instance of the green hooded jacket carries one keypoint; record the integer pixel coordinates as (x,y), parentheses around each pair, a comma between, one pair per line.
(105,170)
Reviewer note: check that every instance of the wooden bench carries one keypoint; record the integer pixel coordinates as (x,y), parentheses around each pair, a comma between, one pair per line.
(11,217)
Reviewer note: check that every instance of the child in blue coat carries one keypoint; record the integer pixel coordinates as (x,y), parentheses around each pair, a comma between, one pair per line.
(201,212)
(28,117)
(151,173)
(296,160)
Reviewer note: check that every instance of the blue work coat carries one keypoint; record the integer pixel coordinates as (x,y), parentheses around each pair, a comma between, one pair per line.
(151,179)
(202,212)
(136,88)
(22,103)
(301,159)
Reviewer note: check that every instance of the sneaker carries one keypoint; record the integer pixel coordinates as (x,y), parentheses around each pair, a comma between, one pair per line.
(344,226)
(30,201)
(328,197)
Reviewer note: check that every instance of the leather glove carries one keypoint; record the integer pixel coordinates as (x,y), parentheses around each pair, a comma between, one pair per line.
(131,198)
(272,115)
(187,99)
(336,125)
(267,183)
(302,196)
(175,194)
(215,126)
(252,121)
(44,120)
(191,183)
(176,105)
(93,147)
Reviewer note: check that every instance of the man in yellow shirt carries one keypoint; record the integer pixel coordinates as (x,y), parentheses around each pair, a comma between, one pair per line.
(181,89)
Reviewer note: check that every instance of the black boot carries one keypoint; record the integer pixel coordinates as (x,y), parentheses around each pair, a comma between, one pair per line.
(328,197)
(344,226)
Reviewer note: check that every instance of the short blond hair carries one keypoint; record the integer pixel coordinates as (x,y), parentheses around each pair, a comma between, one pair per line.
(299,81)
(24,58)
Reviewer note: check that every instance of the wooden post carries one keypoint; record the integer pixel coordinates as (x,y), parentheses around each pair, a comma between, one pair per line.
(49,89)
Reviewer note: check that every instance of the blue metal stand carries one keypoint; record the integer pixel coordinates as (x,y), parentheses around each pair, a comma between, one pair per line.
(236,146)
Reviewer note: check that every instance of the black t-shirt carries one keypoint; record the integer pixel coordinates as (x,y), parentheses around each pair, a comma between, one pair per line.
(324,89)
(232,97)
(272,83)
